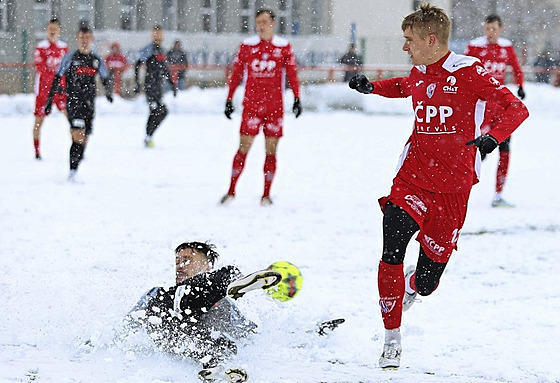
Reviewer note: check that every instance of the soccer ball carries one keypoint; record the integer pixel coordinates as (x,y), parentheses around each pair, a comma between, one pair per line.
(291,282)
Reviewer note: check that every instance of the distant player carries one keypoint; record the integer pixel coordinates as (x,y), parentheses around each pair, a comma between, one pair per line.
(496,54)
(195,319)
(80,67)
(116,64)
(439,165)
(47,57)
(157,70)
(266,59)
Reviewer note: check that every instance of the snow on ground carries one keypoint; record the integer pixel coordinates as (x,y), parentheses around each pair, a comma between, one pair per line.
(76,257)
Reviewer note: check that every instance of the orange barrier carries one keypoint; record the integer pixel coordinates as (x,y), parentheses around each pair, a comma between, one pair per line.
(319,74)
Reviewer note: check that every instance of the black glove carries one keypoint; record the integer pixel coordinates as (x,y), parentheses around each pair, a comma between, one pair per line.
(486,143)
(109,97)
(174,91)
(229,109)
(48,107)
(297,107)
(521,93)
(361,84)
(137,88)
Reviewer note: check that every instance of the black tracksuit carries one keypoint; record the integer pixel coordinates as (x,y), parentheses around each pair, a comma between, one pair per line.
(157,70)
(184,319)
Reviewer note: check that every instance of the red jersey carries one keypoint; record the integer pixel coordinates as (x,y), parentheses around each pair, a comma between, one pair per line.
(449,98)
(496,58)
(265,63)
(47,57)
(116,61)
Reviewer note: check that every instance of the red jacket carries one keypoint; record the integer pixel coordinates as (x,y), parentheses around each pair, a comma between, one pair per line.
(116,61)
(496,58)
(449,98)
(47,58)
(265,63)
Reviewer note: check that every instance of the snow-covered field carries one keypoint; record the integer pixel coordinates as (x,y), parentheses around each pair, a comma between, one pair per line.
(75,257)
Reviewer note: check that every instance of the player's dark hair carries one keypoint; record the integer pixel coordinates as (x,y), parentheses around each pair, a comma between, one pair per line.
(157,27)
(54,20)
(263,10)
(492,18)
(84,27)
(204,247)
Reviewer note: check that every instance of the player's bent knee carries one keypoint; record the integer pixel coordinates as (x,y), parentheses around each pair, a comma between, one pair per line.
(425,286)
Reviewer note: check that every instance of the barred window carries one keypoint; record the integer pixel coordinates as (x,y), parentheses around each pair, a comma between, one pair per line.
(86,11)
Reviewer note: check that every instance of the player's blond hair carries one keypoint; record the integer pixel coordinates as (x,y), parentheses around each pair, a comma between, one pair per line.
(428,20)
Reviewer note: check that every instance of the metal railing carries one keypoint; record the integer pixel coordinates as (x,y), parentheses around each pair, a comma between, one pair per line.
(19,77)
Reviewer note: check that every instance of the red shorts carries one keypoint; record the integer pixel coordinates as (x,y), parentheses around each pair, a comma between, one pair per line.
(272,123)
(41,100)
(439,215)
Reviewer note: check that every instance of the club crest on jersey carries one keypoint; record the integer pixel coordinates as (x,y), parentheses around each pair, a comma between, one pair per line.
(430,90)
(387,304)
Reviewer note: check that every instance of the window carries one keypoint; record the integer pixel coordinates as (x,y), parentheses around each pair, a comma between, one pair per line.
(43,13)
(86,11)
(206,23)
(128,15)
(282,26)
(170,15)
(244,24)
(285,15)
(3,15)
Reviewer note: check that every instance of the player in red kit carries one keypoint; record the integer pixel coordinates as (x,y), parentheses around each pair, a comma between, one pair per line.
(265,58)
(47,57)
(439,165)
(496,54)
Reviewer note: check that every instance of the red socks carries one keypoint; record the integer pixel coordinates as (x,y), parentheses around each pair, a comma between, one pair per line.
(501,174)
(390,282)
(239,164)
(269,172)
(36,145)
(237,168)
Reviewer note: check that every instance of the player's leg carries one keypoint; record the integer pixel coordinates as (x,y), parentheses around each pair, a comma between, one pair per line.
(501,174)
(37,136)
(39,113)
(250,126)
(79,130)
(245,143)
(273,131)
(398,229)
(271,147)
(158,112)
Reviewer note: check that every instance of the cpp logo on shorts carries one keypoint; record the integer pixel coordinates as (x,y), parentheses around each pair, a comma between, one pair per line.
(431,243)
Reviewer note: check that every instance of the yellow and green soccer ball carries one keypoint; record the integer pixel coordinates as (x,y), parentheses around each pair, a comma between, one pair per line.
(291,284)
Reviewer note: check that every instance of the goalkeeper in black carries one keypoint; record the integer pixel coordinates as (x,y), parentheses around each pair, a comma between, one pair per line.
(80,68)
(157,70)
(195,319)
